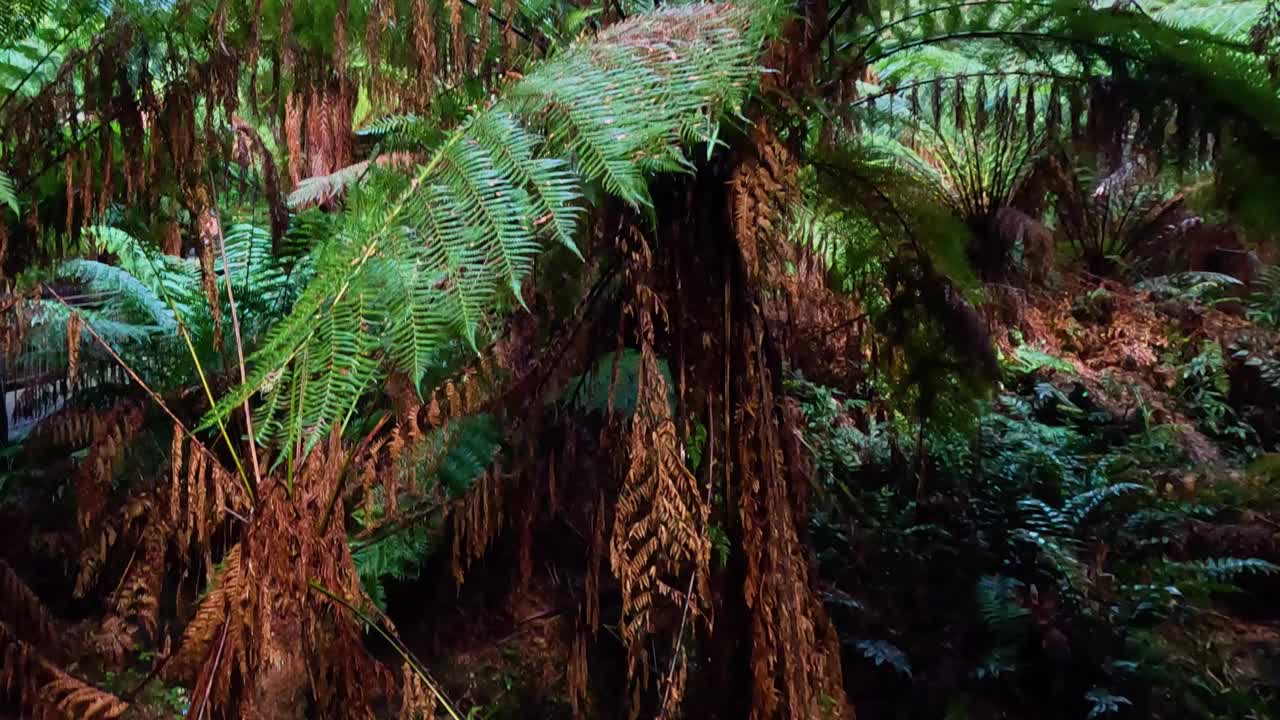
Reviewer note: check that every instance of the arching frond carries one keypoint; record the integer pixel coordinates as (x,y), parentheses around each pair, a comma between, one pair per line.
(424,260)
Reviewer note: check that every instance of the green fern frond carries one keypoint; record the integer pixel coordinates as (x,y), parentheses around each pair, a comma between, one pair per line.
(1228,568)
(1080,507)
(8,194)
(998,606)
(172,279)
(122,290)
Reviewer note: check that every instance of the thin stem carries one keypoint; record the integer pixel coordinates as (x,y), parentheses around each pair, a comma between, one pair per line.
(155,397)
(204,380)
(399,647)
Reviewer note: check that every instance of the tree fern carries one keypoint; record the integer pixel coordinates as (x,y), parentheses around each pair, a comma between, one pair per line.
(420,261)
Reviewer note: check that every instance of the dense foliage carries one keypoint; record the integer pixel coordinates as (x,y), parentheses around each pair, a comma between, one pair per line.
(752,359)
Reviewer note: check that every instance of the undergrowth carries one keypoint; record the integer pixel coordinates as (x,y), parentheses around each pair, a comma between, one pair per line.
(1049,555)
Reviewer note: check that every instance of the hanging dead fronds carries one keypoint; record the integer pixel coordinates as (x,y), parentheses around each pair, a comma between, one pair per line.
(481,47)
(125,522)
(424,42)
(381,14)
(659,550)
(71,428)
(795,654)
(137,602)
(477,520)
(264,642)
(341,21)
(293,111)
(458,40)
(219,618)
(201,495)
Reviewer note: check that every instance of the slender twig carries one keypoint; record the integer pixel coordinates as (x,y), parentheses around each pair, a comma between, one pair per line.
(507,23)
(235,326)
(204,380)
(688,595)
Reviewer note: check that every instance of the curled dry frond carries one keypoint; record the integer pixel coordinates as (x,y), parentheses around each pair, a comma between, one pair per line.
(94,475)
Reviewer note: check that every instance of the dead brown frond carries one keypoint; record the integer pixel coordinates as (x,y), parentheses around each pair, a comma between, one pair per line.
(73,427)
(264,643)
(125,522)
(659,551)
(221,606)
(418,701)
(761,186)
(21,609)
(201,493)
(137,601)
(294,104)
(795,659)
(74,698)
(794,653)
(107,451)
(478,385)
(38,685)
